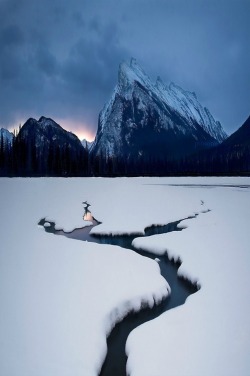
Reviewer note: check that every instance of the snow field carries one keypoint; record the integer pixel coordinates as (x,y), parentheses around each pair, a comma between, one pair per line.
(210,333)
(61,297)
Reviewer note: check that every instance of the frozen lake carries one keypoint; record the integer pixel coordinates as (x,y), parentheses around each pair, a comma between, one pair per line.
(61,298)
(115,362)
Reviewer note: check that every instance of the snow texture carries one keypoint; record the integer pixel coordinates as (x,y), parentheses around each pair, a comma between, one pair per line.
(210,333)
(60,297)
(41,130)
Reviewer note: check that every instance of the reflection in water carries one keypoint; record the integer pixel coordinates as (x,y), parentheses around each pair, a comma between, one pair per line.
(88,216)
(115,362)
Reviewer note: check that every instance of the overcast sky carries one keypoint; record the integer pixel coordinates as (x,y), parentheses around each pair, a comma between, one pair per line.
(60,58)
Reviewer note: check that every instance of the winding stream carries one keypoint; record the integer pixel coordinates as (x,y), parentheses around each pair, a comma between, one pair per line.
(115,362)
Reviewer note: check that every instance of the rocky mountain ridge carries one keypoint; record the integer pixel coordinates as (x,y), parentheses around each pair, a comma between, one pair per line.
(146,119)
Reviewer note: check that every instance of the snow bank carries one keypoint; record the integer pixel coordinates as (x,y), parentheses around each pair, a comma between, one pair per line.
(60,297)
(210,333)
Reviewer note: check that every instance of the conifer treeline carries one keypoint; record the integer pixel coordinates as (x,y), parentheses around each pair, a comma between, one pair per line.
(23,158)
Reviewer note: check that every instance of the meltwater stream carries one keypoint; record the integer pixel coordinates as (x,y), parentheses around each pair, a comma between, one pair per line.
(115,362)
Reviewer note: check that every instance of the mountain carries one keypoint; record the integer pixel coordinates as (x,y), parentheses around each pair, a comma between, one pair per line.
(6,142)
(187,104)
(46,131)
(145,120)
(240,138)
(43,147)
(231,157)
(86,144)
(6,136)
(234,153)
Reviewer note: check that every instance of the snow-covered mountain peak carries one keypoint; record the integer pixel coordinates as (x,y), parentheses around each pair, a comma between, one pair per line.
(129,74)
(179,91)
(141,112)
(6,136)
(45,131)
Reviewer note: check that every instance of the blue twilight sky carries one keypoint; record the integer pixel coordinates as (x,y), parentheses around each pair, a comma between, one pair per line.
(60,58)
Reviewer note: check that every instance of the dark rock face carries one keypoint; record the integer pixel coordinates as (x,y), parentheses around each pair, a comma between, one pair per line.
(6,137)
(43,147)
(240,138)
(231,157)
(46,131)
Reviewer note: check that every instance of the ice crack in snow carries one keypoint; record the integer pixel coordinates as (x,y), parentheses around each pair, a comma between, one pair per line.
(116,349)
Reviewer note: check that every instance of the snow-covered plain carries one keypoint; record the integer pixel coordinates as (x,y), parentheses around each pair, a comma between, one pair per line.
(210,333)
(60,297)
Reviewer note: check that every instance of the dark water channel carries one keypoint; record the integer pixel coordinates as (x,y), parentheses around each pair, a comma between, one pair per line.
(115,363)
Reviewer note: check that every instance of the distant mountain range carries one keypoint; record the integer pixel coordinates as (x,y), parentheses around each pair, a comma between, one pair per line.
(146,128)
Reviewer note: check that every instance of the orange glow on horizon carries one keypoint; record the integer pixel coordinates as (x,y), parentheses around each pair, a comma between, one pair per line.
(81,130)
(14,126)
(88,217)
(82,135)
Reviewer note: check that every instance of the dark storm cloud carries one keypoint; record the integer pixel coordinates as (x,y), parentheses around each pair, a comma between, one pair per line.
(57,60)
(201,45)
(60,58)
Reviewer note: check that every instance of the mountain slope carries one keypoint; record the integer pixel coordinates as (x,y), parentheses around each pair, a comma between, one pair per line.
(187,104)
(6,142)
(239,138)
(6,136)
(231,157)
(86,144)
(144,120)
(45,131)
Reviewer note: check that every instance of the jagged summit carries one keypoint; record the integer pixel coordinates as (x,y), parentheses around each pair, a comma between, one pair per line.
(145,118)
(43,118)
(180,91)
(46,121)
(45,127)
(183,101)
(131,73)
(160,84)
(45,130)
